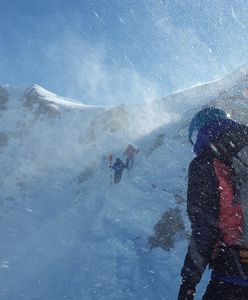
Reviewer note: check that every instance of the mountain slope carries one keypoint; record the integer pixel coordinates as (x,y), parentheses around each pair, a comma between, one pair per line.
(66,233)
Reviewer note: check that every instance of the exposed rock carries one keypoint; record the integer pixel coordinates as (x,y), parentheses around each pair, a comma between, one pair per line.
(166,229)
(87,173)
(115,119)
(34,102)
(159,141)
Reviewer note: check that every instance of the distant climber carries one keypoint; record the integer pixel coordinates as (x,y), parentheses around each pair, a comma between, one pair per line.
(118,167)
(110,158)
(129,153)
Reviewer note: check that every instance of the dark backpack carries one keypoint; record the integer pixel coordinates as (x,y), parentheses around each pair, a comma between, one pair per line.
(240,164)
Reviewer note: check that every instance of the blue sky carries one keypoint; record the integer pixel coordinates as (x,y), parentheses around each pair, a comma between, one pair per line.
(113,51)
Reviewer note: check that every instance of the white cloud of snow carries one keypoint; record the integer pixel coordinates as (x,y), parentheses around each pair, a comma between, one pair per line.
(87,67)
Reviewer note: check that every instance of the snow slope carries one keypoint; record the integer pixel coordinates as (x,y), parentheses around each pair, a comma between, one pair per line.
(66,232)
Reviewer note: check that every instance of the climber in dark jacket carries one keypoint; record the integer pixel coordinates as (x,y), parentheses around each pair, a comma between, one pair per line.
(118,167)
(216,221)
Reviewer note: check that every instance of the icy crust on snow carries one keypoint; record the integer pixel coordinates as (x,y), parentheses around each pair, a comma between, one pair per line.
(66,232)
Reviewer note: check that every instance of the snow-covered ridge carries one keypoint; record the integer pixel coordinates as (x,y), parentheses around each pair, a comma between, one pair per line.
(44,94)
(234,85)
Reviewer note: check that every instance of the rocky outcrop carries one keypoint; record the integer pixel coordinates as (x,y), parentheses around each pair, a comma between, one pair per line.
(40,107)
(166,229)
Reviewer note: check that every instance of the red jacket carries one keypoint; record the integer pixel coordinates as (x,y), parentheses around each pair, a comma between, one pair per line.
(216,220)
(130,151)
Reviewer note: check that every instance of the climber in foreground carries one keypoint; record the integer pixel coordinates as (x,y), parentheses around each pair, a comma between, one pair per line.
(118,167)
(217,204)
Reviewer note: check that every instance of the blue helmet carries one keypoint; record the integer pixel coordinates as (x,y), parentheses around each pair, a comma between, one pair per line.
(204,116)
(210,133)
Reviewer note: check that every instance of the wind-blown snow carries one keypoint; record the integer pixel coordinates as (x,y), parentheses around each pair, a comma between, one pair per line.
(66,232)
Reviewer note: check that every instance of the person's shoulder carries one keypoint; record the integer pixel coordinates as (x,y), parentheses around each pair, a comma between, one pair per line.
(202,162)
